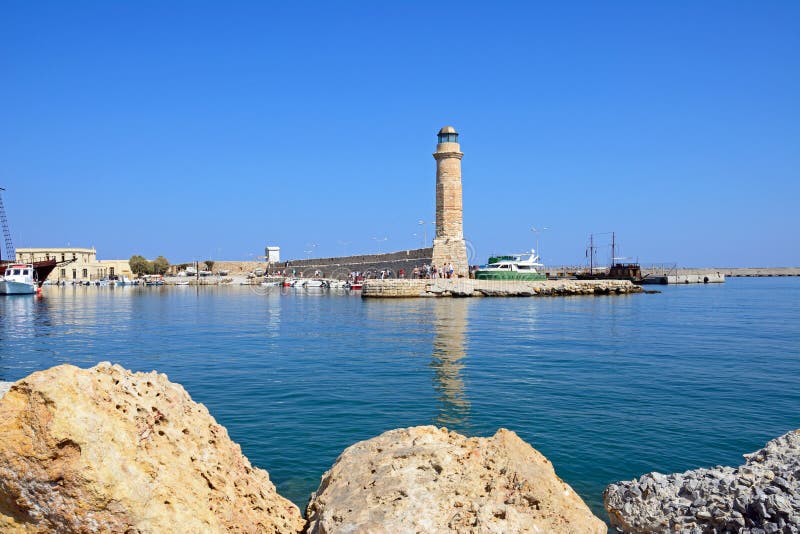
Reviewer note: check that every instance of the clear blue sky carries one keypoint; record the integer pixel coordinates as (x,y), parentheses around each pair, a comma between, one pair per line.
(211,129)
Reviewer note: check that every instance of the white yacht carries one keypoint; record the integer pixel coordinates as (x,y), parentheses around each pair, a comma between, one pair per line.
(19,279)
(520,267)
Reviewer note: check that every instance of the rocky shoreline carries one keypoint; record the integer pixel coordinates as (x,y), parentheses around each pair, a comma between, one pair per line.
(105,449)
(760,496)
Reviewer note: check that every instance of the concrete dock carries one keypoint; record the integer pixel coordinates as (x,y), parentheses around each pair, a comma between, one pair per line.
(702,277)
(465,287)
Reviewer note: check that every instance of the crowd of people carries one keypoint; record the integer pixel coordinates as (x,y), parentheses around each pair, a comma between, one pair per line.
(431,271)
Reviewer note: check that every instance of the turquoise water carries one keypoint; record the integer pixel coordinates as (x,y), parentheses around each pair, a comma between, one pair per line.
(606,387)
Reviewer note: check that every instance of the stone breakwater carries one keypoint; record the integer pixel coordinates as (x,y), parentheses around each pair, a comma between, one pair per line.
(761,496)
(108,450)
(465,287)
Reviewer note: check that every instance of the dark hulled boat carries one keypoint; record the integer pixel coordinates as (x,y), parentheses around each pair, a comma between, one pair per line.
(41,269)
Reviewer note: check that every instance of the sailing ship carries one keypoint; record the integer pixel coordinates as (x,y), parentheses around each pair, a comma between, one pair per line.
(617,271)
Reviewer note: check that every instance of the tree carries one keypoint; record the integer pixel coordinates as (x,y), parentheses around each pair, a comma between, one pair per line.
(209,264)
(160,265)
(140,265)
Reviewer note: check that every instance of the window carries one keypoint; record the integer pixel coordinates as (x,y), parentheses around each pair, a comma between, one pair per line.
(63,273)
(74,274)
(16,272)
(26,272)
(111,271)
(63,257)
(85,273)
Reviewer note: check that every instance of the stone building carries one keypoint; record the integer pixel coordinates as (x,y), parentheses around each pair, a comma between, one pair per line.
(83,265)
(449,245)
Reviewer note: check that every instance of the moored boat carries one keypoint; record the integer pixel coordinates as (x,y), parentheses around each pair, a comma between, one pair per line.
(520,267)
(19,279)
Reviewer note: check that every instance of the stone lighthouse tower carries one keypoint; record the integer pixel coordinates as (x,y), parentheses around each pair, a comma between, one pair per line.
(449,245)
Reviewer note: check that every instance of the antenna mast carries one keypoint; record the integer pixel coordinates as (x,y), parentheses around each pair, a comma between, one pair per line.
(4,222)
(613,247)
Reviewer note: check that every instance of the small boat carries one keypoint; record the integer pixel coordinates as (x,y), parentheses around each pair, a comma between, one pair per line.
(153,280)
(354,286)
(520,267)
(300,283)
(19,279)
(181,283)
(271,284)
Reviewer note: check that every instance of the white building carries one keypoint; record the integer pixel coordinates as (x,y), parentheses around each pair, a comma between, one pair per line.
(273,254)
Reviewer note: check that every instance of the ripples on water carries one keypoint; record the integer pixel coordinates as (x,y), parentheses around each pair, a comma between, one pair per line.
(608,388)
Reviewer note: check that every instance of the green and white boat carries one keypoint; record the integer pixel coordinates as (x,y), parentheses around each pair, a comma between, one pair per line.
(522,267)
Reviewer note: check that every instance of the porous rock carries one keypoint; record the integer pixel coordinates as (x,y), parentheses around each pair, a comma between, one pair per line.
(107,450)
(426,479)
(762,495)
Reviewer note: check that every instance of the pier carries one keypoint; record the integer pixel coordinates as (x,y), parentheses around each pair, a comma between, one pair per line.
(466,287)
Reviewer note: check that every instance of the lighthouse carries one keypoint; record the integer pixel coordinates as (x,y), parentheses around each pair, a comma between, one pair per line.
(449,245)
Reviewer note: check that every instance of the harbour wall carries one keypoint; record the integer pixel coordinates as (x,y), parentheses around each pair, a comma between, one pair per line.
(465,287)
(341,267)
(566,270)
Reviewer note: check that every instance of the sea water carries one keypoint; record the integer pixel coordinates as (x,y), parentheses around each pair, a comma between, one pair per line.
(608,388)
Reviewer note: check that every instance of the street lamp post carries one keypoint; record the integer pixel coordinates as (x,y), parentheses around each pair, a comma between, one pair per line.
(311,248)
(344,246)
(537,231)
(378,241)
(424,231)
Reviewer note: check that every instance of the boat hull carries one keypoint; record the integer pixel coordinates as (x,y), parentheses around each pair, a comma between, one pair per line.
(8,287)
(509,276)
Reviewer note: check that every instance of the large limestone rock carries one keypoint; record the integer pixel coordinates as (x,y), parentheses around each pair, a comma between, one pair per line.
(107,450)
(761,496)
(426,479)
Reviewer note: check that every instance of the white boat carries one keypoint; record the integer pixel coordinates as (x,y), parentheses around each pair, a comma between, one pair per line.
(271,284)
(520,267)
(18,280)
(124,281)
(300,283)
